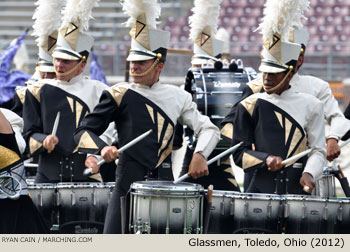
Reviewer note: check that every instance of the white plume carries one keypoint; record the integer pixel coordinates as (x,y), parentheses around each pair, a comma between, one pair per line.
(134,8)
(280,15)
(47,18)
(78,12)
(205,12)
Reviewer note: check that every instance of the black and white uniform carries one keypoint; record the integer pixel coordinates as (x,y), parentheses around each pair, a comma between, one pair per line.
(136,109)
(74,99)
(18,216)
(281,125)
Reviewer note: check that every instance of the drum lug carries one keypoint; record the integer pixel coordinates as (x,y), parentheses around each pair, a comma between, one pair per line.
(222,207)
(303,211)
(269,210)
(246,207)
(232,207)
(325,212)
(58,198)
(72,197)
(93,198)
(340,213)
(40,198)
(286,210)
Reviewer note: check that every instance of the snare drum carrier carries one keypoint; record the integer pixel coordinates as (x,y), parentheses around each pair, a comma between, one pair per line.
(215,91)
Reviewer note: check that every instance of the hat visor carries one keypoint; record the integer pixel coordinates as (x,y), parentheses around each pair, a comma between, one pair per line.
(65,54)
(46,69)
(134,56)
(267,67)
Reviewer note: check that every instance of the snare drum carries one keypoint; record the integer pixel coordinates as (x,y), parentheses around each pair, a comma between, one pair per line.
(44,198)
(222,212)
(256,213)
(164,207)
(83,206)
(313,215)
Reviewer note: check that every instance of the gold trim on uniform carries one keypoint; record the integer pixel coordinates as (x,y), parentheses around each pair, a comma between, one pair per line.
(96,176)
(150,111)
(249,104)
(70,101)
(34,145)
(86,141)
(226,161)
(249,161)
(287,129)
(160,120)
(35,89)
(227,130)
(168,134)
(279,117)
(117,93)
(71,34)
(296,138)
(79,110)
(7,157)
(166,153)
(21,93)
(274,48)
(256,85)
(233,181)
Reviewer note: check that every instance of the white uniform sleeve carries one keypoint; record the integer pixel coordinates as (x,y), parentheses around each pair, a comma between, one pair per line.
(316,141)
(17,126)
(208,134)
(339,125)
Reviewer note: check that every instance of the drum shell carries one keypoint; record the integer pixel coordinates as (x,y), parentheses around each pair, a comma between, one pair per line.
(221,212)
(257,213)
(312,215)
(162,207)
(82,206)
(44,198)
(325,186)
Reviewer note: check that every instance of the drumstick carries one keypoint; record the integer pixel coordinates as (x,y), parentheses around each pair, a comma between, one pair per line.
(304,153)
(228,151)
(55,126)
(87,171)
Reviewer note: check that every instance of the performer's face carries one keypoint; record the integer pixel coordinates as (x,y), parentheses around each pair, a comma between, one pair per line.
(47,75)
(140,67)
(62,66)
(271,80)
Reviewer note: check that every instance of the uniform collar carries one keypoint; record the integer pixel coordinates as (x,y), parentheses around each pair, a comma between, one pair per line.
(74,79)
(155,85)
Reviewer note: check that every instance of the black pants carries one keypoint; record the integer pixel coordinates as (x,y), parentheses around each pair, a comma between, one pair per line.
(128,171)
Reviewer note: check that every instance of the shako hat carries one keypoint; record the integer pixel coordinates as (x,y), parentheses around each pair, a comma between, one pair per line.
(147,42)
(278,53)
(74,43)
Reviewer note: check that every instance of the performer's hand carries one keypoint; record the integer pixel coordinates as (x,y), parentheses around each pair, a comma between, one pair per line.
(91,162)
(50,142)
(307,182)
(333,149)
(198,166)
(274,163)
(109,153)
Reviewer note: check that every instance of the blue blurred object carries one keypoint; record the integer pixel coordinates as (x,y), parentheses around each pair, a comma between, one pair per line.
(10,80)
(96,72)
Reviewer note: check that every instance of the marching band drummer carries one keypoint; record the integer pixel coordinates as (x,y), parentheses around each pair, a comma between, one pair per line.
(314,86)
(143,105)
(17,215)
(71,94)
(207,50)
(279,122)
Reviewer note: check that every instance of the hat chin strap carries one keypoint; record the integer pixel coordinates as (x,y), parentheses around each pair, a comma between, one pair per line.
(72,70)
(272,90)
(147,71)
